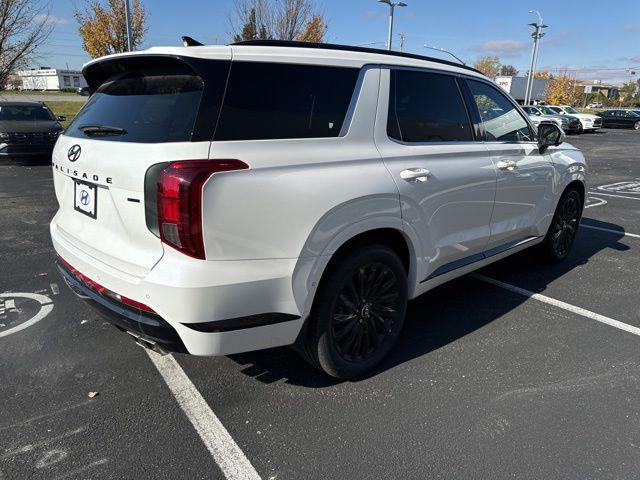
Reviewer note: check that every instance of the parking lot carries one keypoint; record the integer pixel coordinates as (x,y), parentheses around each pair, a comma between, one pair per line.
(525,370)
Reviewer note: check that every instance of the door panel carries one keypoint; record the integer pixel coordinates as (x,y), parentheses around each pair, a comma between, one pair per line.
(524,193)
(449,205)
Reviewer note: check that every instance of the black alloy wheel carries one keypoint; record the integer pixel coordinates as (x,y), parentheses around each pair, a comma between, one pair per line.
(358,312)
(564,227)
(365,312)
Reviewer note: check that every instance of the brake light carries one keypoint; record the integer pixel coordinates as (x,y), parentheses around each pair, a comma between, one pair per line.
(180,202)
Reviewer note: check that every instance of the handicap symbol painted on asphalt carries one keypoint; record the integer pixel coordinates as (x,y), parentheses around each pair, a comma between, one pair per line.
(622,187)
(21,310)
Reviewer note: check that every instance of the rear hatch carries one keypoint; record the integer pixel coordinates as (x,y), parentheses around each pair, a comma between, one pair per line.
(147,110)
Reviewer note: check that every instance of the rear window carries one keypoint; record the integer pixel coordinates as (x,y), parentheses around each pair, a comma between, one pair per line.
(145,106)
(278,101)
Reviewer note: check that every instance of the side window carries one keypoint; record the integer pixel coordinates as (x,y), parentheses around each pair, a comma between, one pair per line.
(278,101)
(501,120)
(426,107)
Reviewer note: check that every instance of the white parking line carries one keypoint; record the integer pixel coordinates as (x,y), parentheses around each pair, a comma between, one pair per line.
(226,453)
(566,306)
(619,232)
(601,201)
(612,195)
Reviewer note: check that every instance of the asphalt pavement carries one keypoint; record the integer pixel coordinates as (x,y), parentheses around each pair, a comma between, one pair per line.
(535,377)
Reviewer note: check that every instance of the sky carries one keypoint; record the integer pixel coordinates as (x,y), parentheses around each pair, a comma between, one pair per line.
(591,39)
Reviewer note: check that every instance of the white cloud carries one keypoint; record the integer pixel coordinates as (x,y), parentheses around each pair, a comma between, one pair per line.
(50,19)
(503,48)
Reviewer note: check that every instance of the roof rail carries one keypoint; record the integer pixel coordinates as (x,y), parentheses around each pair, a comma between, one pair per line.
(349,48)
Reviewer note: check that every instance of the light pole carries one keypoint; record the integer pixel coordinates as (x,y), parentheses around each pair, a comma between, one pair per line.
(537,35)
(392,7)
(127,18)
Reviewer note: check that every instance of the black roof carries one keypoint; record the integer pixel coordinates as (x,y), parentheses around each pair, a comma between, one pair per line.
(350,48)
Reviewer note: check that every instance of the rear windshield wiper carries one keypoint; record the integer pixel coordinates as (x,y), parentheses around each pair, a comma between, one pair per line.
(95,130)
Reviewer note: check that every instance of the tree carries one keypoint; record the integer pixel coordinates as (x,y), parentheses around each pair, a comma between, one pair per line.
(104,30)
(563,90)
(24,26)
(630,94)
(489,66)
(314,31)
(277,20)
(508,71)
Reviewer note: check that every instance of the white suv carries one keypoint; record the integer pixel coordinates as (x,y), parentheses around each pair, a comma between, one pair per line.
(221,199)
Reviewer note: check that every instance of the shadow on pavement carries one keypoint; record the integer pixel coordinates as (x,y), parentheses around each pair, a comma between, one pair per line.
(447,313)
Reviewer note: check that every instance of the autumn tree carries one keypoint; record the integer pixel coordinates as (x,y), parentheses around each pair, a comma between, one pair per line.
(562,90)
(277,20)
(24,26)
(508,71)
(630,94)
(104,28)
(314,30)
(489,66)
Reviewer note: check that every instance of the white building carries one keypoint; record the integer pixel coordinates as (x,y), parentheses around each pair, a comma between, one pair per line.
(51,79)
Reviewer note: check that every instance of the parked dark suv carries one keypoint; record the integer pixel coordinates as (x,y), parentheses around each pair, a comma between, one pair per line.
(27,128)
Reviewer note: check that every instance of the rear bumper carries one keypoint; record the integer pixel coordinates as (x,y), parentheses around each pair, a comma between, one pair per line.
(150,327)
(203,307)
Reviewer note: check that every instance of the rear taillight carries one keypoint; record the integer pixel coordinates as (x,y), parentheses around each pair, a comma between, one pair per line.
(180,201)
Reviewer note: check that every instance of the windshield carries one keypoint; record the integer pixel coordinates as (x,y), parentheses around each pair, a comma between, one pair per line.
(571,110)
(548,111)
(633,114)
(25,113)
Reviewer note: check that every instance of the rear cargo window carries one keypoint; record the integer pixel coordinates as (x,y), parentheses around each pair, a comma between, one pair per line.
(143,107)
(278,101)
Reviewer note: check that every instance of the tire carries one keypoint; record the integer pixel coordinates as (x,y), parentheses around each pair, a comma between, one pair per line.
(564,227)
(636,126)
(358,312)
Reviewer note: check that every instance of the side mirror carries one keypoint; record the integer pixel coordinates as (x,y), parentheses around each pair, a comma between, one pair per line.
(549,134)
(62,118)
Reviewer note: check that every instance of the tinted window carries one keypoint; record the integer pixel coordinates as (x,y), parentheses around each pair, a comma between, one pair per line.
(426,107)
(25,113)
(151,107)
(270,100)
(500,118)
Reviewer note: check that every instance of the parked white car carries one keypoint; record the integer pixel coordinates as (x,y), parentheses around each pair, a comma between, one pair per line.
(590,123)
(540,113)
(594,105)
(215,200)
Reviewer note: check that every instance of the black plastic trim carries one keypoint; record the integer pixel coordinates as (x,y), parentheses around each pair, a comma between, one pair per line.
(242,323)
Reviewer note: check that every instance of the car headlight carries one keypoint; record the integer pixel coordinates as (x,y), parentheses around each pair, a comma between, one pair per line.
(4,136)
(564,121)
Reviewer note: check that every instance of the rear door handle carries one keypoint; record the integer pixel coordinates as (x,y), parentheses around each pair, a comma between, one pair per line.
(508,165)
(415,174)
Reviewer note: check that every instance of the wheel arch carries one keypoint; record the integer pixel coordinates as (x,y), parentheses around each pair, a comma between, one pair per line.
(310,271)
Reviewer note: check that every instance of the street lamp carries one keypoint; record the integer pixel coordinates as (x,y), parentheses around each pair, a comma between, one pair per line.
(392,7)
(537,35)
